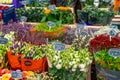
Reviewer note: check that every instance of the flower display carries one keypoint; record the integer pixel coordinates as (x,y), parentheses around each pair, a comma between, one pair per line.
(103,41)
(108,62)
(72,63)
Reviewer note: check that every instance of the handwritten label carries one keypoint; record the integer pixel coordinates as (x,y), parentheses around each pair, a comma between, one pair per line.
(112,33)
(58,46)
(52,7)
(24,2)
(114,27)
(3,40)
(83,33)
(17,74)
(114,52)
(51,24)
(23,19)
(80,26)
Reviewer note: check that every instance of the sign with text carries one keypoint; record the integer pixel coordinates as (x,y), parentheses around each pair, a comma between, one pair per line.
(51,24)
(3,40)
(114,52)
(58,46)
(17,74)
(52,7)
(112,33)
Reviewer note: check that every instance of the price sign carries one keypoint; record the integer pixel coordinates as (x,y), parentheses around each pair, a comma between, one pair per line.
(114,52)
(3,40)
(16,74)
(58,46)
(51,24)
(24,2)
(80,26)
(52,7)
(112,33)
(83,33)
(23,19)
(114,27)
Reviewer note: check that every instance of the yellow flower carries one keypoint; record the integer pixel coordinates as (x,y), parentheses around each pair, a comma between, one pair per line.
(63,8)
(30,73)
(6,76)
(47,11)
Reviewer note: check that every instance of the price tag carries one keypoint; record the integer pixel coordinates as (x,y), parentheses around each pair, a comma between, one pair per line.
(114,27)
(23,19)
(80,26)
(3,40)
(114,52)
(51,24)
(52,7)
(24,2)
(112,33)
(16,74)
(83,33)
(58,46)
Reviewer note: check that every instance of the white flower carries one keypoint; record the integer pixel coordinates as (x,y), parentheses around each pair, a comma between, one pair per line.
(73,69)
(70,63)
(84,69)
(58,66)
(81,65)
(87,58)
(75,66)
(56,57)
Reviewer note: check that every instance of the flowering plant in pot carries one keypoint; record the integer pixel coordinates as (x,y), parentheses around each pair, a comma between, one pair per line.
(54,32)
(103,41)
(34,58)
(107,65)
(61,15)
(4,48)
(68,64)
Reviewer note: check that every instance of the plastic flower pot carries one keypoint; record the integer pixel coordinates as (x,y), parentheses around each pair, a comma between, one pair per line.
(53,35)
(107,73)
(14,60)
(34,65)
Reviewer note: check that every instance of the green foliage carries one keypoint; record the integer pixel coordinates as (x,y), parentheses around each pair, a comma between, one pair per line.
(105,60)
(44,27)
(32,14)
(95,16)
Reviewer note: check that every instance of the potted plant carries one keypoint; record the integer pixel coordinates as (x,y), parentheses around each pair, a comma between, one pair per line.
(61,15)
(103,41)
(52,33)
(68,64)
(94,16)
(107,66)
(34,59)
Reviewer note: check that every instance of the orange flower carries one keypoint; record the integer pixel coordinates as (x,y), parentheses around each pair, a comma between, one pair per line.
(116,5)
(63,8)
(47,11)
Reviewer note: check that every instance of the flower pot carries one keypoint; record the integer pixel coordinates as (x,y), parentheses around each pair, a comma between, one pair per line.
(34,65)
(107,74)
(53,35)
(14,60)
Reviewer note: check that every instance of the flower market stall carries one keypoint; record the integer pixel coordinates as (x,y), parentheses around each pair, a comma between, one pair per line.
(59,40)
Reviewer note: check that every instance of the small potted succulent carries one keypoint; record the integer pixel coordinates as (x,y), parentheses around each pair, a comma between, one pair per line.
(107,66)
(68,64)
